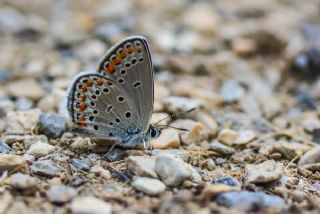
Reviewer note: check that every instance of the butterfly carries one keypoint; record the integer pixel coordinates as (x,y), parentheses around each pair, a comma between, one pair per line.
(116,101)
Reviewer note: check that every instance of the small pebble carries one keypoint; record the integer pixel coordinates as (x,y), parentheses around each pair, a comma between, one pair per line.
(23,103)
(310,124)
(149,186)
(115,154)
(90,205)
(168,139)
(311,156)
(79,145)
(231,91)
(264,172)
(171,170)
(211,190)
(227,180)
(245,137)
(84,165)
(46,168)
(22,122)
(23,181)
(142,166)
(249,201)
(178,104)
(227,136)
(25,88)
(52,124)
(4,148)
(10,162)
(196,134)
(40,149)
(61,194)
(221,148)
(101,172)
(290,150)
(220,161)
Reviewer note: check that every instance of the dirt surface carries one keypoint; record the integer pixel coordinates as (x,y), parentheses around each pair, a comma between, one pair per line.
(250,68)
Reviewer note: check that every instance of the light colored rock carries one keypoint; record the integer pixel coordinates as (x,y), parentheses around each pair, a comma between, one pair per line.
(171,170)
(290,150)
(221,148)
(143,166)
(311,156)
(10,162)
(47,104)
(245,137)
(90,205)
(149,186)
(79,145)
(264,172)
(271,106)
(101,172)
(156,117)
(243,46)
(168,139)
(34,139)
(231,91)
(176,104)
(25,88)
(61,194)
(227,136)
(23,181)
(40,149)
(201,18)
(22,122)
(310,124)
(208,121)
(211,190)
(196,134)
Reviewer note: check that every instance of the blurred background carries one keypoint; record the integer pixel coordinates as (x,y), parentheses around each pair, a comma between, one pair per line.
(250,67)
(255,48)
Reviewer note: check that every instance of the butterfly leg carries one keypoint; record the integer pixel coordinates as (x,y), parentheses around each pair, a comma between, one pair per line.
(111,148)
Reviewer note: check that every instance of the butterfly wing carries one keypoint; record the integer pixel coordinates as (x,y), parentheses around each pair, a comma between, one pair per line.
(100,107)
(129,64)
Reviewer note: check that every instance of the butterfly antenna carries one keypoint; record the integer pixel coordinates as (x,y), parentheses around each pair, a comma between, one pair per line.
(167,126)
(175,116)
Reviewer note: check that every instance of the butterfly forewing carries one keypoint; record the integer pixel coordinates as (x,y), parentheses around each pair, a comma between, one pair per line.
(100,107)
(128,63)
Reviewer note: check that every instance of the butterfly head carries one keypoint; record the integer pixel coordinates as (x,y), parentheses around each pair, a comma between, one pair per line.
(153,131)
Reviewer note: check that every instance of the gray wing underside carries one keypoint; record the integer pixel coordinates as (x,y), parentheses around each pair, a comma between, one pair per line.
(139,74)
(103,110)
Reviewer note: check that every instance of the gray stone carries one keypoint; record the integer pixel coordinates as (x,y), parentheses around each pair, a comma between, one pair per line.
(46,168)
(61,194)
(264,172)
(221,148)
(115,154)
(23,103)
(142,166)
(90,205)
(177,104)
(171,170)
(4,148)
(149,186)
(231,91)
(228,180)
(22,122)
(52,125)
(249,201)
(84,165)
(23,181)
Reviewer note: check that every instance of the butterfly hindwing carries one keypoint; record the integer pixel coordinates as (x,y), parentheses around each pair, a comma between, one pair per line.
(100,107)
(128,63)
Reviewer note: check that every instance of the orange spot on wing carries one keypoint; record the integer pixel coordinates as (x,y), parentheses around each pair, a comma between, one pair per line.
(81,122)
(82,107)
(130,50)
(109,82)
(116,61)
(99,82)
(139,50)
(122,54)
(89,84)
(82,98)
(110,68)
(84,88)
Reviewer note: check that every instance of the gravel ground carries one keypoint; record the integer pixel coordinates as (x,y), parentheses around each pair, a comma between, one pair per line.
(251,70)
